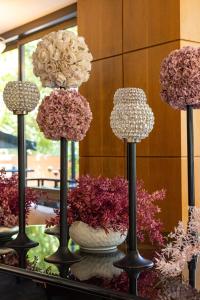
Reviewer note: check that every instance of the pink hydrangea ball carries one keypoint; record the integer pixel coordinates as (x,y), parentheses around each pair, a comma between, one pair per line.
(180,78)
(65,113)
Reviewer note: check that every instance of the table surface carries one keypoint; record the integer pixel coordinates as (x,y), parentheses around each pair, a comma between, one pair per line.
(94,276)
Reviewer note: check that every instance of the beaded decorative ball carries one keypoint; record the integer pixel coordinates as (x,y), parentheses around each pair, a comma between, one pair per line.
(132,118)
(21,97)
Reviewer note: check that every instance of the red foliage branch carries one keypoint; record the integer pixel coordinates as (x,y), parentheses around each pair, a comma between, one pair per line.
(103,202)
(9,200)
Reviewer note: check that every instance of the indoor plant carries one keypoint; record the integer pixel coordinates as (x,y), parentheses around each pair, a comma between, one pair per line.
(99,207)
(9,200)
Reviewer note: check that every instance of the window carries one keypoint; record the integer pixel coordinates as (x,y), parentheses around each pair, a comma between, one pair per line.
(44,162)
(8,72)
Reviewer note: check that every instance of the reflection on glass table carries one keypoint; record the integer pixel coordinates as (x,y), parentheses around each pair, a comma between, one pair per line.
(95,274)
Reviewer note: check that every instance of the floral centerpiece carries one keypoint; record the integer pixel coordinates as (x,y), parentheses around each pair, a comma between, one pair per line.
(180,78)
(101,205)
(9,200)
(62,59)
(65,113)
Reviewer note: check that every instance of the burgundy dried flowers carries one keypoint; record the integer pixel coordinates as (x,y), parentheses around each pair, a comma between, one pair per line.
(65,113)
(103,202)
(180,78)
(9,200)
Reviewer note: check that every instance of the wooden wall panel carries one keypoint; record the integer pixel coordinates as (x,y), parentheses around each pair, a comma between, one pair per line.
(189,20)
(105,166)
(142,69)
(158,173)
(146,23)
(105,78)
(150,30)
(100,22)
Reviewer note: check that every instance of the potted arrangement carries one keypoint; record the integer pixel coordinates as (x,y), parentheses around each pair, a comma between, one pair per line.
(9,204)
(98,213)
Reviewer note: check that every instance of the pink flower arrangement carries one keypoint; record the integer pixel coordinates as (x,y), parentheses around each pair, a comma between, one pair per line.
(103,202)
(183,244)
(180,78)
(9,200)
(65,113)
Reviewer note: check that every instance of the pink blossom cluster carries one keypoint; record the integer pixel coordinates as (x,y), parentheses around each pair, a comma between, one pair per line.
(180,78)
(9,200)
(65,113)
(103,202)
(183,244)
(149,225)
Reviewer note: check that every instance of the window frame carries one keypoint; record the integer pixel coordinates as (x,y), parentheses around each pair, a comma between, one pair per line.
(18,37)
(62,18)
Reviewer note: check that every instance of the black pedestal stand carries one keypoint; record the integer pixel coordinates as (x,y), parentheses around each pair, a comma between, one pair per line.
(22,240)
(191,189)
(133,279)
(63,255)
(190,156)
(133,260)
(22,254)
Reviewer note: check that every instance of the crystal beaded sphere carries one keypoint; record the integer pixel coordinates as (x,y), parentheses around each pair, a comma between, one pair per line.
(21,97)
(132,118)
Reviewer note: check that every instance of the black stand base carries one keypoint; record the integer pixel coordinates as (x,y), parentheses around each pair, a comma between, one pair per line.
(63,256)
(133,260)
(21,242)
(192,265)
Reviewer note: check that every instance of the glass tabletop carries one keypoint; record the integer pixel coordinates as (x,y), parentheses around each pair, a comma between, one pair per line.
(95,272)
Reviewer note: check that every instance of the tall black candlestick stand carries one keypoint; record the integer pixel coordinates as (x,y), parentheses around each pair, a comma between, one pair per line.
(190,153)
(191,189)
(73,161)
(63,255)
(133,260)
(133,280)
(22,240)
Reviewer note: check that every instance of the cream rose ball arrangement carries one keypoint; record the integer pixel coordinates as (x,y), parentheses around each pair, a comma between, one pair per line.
(62,61)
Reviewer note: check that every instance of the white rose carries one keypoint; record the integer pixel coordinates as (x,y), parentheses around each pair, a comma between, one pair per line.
(56,55)
(51,50)
(70,58)
(64,67)
(43,55)
(60,80)
(46,43)
(51,67)
(61,45)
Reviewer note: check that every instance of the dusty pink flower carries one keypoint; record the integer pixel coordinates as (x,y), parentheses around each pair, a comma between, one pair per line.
(103,202)
(65,113)
(180,78)
(183,244)
(9,200)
